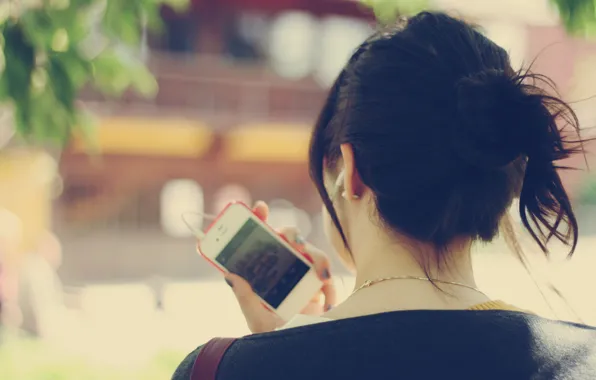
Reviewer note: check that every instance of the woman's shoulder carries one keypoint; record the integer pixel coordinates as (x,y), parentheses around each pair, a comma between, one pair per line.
(184,370)
(498,331)
(304,320)
(204,359)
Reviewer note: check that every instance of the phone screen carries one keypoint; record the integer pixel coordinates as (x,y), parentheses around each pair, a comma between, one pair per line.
(271,269)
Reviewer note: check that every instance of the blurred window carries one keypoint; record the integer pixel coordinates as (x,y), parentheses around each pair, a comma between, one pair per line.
(245,36)
(142,210)
(291,44)
(338,39)
(282,213)
(179,33)
(181,197)
(230,193)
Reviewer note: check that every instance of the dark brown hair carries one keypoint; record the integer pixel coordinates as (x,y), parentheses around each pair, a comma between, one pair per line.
(446,134)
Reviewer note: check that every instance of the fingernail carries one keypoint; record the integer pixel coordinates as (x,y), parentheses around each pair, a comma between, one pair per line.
(326,275)
(328,307)
(299,240)
(229,282)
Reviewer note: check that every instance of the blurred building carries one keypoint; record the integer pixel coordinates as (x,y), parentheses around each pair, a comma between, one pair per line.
(241,83)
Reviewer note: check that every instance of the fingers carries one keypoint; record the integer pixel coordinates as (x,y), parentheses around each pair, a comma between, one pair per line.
(258,318)
(317,298)
(320,263)
(261,210)
(330,294)
(323,267)
(314,307)
(319,259)
(248,300)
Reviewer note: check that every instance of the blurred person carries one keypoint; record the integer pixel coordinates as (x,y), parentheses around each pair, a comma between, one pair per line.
(157,286)
(11,231)
(40,288)
(426,138)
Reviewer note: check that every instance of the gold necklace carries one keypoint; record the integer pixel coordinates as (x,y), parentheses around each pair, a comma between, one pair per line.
(369,283)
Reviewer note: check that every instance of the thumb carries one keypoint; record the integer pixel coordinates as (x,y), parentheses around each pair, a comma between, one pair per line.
(242,290)
(251,305)
(261,210)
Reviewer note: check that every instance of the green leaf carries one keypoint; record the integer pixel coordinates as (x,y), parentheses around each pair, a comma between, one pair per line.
(3,78)
(578,16)
(153,20)
(62,84)
(143,81)
(87,125)
(387,11)
(20,62)
(38,28)
(79,69)
(109,74)
(177,5)
(122,19)
(50,51)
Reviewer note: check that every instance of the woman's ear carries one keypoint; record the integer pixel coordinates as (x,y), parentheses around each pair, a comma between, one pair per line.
(353,186)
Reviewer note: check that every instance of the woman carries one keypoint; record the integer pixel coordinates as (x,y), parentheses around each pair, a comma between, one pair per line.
(426,138)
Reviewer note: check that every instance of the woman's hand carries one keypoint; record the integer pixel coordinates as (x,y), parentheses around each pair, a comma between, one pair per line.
(260,319)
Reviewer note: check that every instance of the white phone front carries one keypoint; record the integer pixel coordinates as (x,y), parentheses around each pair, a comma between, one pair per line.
(240,243)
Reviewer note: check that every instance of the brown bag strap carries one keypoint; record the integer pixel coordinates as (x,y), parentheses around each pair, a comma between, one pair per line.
(208,359)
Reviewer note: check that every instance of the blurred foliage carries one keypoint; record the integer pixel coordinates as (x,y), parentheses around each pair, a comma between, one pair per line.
(578,16)
(588,191)
(50,49)
(387,11)
(25,359)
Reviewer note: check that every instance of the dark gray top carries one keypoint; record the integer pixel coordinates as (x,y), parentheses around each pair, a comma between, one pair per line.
(416,345)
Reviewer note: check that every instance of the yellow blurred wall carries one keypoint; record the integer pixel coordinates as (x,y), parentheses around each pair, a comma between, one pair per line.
(267,142)
(26,177)
(171,137)
(168,137)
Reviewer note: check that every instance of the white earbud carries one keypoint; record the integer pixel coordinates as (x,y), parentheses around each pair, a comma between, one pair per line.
(338,184)
(345,196)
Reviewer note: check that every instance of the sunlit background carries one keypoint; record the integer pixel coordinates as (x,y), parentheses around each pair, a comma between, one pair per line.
(241,83)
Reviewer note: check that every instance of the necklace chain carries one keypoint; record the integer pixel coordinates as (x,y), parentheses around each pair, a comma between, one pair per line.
(369,283)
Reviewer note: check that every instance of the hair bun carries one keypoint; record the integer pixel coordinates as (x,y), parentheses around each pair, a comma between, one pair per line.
(488,133)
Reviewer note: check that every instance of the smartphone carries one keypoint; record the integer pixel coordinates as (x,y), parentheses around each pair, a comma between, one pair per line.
(241,243)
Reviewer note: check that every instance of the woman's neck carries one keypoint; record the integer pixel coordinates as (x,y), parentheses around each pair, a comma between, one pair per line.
(385,260)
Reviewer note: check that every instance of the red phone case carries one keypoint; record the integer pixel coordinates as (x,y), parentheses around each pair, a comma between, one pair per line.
(304,254)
